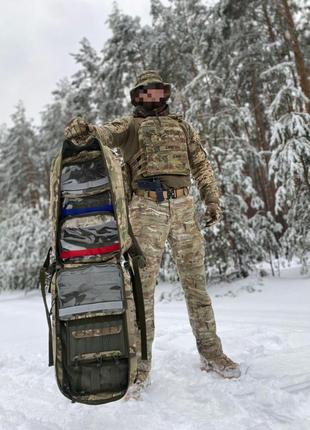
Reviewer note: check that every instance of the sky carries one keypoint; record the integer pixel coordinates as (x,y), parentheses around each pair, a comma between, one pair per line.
(36,39)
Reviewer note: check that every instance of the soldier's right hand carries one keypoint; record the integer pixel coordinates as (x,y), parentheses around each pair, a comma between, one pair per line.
(78,128)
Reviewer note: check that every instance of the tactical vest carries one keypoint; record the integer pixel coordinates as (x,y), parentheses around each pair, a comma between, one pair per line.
(162,147)
(96,300)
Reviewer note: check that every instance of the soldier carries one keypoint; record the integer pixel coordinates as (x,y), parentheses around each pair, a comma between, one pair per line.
(161,151)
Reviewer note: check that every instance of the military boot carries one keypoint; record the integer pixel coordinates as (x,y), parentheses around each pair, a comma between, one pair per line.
(222,365)
(135,390)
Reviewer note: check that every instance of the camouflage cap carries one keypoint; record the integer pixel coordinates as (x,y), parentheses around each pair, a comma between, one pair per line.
(148,77)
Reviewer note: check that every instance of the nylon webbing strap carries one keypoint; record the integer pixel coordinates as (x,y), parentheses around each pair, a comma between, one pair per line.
(138,260)
(139,302)
(42,279)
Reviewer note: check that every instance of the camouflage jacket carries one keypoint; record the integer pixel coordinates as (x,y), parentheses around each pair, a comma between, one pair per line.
(117,134)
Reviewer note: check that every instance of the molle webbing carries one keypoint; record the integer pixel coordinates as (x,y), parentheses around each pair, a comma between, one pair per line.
(162,146)
(138,163)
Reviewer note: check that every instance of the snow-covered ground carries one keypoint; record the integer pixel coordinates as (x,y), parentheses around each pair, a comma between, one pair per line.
(264,324)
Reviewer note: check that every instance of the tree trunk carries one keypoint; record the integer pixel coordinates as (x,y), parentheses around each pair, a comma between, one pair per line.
(267,188)
(292,38)
(271,33)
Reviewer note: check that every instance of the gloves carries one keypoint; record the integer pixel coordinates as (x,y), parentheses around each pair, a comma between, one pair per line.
(78,128)
(213,214)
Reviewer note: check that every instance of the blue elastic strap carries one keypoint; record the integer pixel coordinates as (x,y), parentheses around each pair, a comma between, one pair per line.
(68,212)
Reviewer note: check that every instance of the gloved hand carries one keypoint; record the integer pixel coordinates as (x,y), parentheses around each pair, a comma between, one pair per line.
(78,128)
(213,214)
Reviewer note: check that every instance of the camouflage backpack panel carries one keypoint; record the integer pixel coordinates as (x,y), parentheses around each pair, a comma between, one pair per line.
(55,174)
(133,334)
(162,148)
(117,188)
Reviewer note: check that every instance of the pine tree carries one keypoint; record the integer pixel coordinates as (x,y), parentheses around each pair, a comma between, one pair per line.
(23,223)
(19,177)
(124,56)
(69,101)
(3,140)
(86,82)
(24,236)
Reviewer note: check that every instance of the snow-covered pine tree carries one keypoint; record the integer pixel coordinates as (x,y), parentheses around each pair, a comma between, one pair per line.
(236,80)
(244,42)
(3,140)
(69,101)
(289,165)
(20,180)
(24,239)
(233,245)
(23,224)
(124,56)
(302,19)
(86,82)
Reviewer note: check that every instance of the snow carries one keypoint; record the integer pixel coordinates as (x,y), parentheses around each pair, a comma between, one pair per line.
(264,324)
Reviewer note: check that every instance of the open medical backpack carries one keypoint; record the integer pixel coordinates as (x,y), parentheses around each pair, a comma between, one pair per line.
(96,321)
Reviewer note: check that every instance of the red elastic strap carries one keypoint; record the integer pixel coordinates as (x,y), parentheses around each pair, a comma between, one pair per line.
(90,251)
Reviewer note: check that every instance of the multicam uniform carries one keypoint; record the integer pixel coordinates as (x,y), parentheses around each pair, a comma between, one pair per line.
(168,148)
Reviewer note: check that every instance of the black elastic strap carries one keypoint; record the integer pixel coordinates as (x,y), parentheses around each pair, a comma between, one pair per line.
(42,279)
(139,301)
(138,261)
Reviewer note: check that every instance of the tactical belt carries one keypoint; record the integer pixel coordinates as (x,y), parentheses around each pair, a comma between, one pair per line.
(173,193)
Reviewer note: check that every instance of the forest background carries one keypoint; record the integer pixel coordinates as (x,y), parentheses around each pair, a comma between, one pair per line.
(240,75)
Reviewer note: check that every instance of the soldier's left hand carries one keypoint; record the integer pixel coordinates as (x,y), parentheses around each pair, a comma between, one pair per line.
(213,214)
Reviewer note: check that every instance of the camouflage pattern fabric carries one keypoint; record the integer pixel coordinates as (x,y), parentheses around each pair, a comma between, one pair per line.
(120,133)
(81,157)
(117,190)
(133,336)
(174,221)
(77,130)
(213,215)
(201,168)
(87,221)
(163,149)
(55,173)
(149,77)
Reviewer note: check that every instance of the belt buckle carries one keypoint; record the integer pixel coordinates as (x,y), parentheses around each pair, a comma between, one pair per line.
(171,193)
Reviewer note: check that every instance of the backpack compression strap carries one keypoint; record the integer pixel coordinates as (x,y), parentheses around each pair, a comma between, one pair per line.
(42,279)
(138,261)
(138,298)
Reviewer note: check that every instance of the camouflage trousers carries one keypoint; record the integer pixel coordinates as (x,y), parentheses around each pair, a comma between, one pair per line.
(174,220)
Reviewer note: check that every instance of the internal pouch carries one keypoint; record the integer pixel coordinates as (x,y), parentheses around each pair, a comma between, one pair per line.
(87,176)
(84,236)
(101,202)
(93,332)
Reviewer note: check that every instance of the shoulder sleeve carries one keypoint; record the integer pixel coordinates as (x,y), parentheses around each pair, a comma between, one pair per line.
(201,168)
(115,133)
